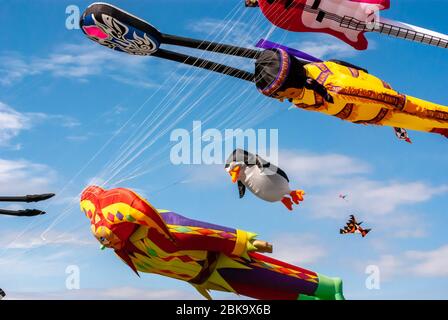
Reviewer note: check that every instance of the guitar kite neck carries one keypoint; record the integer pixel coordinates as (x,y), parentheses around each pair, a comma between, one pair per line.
(398,30)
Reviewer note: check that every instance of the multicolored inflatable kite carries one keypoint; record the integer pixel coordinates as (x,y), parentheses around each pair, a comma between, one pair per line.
(345,91)
(347,20)
(208,256)
(334,88)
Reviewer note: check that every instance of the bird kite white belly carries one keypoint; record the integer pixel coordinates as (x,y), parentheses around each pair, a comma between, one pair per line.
(263,179)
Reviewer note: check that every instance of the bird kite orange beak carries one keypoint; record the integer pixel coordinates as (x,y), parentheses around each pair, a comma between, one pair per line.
(235,173)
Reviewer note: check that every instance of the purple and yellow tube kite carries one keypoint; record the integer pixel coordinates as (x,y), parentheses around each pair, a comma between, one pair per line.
(208,256)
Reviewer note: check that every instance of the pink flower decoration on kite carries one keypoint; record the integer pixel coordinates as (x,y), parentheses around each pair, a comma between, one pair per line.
(94,31)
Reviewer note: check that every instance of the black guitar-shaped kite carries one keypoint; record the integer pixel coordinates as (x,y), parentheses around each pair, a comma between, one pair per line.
(25,199)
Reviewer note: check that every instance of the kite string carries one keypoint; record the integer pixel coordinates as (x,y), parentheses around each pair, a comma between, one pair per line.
(129,148)
(62,216)
(179,104)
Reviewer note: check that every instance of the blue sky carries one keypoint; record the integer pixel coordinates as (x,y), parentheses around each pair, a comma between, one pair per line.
(72,112)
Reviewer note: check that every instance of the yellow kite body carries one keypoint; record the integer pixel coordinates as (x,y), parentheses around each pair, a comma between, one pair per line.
(362,98)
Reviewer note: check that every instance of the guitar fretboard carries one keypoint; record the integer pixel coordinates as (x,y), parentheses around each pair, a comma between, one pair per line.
(358,25)
(395,31)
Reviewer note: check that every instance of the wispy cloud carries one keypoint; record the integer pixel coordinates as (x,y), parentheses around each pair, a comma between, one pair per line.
(35,240)
(324,47)
(79,138)
(13,122)
(78,62)
(119,293)
(325,176)
(433,263)
(321,169)
(332,174)
(430,263)
(61,120)
(22,176)
(329,175)
(37,264)
(374,197)
(247,35)
(309,252)
(231,31)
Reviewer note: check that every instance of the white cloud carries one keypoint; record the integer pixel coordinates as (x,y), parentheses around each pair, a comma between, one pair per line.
(35,240)
(389,266)
(325,176)
(228,31)
(403,225)
(12,68)
(42,265)
(119,293)
(206,175)
(320,169)
(325,48)
(61,120)
(431,263)
(79,138)
(11,123)
(79,62)
(22,176)
(247,35)
(309,251)
(333,174)
(373,197)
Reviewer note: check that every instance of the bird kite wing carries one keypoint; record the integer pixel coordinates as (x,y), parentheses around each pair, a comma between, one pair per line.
(241,189)
(352,220)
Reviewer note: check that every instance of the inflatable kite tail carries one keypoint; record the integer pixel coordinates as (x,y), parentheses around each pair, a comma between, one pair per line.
(429,116)
(328,289)
(265,278)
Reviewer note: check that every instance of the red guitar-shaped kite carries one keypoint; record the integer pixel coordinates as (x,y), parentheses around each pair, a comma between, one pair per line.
(347,20)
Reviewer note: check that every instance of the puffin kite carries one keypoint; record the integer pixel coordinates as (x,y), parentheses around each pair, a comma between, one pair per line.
(264,179)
